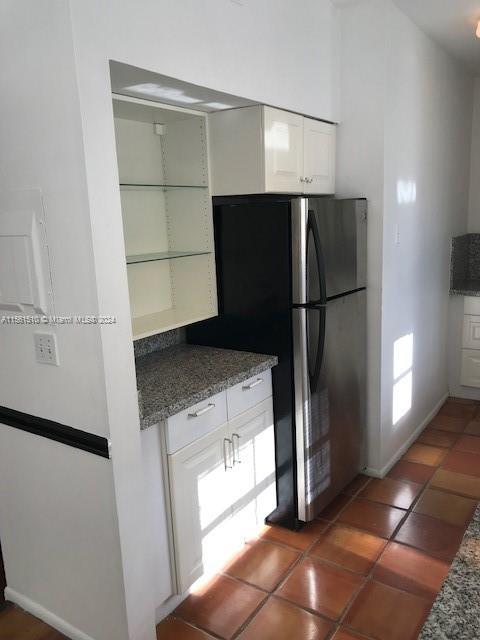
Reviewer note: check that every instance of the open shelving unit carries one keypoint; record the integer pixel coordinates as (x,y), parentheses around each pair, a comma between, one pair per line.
(167,214)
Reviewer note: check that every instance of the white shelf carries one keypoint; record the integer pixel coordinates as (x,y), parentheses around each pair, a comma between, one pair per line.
(163,255)
(159,187)
(145,326)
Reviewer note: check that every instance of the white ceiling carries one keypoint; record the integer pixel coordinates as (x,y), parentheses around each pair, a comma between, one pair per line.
(451,23)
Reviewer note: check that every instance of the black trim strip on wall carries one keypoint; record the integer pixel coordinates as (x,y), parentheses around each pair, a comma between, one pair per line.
(56,431)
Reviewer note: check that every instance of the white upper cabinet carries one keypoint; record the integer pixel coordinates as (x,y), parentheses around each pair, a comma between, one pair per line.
(260,149)
(318,156)
(283,141)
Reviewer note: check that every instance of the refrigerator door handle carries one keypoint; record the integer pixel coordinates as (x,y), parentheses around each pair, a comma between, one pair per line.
(299,226)
(320,347)
(312,227)
(302,403)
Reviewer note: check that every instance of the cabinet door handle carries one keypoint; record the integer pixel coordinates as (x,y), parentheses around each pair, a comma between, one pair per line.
(258,381)
(226,457)
(200,412)
(236,460)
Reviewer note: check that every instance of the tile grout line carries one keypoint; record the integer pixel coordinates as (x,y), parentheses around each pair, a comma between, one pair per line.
(410,510)
(194,625)
(303,554)
(249,619)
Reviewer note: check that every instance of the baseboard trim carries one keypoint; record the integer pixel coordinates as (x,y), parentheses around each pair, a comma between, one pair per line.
(44,614)
(381,473)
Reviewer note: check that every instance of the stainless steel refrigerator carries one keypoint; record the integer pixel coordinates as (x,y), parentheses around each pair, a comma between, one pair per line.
(329,346)
(291,275)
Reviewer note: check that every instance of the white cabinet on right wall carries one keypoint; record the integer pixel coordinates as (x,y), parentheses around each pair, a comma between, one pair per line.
(470,371)
(260,149)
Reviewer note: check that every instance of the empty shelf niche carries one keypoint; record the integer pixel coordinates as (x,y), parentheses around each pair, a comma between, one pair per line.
(167,216)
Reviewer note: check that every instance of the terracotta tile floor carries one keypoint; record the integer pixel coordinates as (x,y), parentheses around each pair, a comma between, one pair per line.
(368,569)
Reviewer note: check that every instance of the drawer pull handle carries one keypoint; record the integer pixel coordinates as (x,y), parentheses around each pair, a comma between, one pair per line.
(227,457)
(200,412)
(258,381)
(236,460)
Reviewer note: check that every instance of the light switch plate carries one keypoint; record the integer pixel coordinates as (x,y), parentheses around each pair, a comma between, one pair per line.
(46,351)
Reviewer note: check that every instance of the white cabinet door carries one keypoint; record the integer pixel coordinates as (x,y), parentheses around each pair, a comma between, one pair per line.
(471,332)
(283,139)
(255,496)
(202,495)
(470,374)
(151,442)
(471,306)
(319,156)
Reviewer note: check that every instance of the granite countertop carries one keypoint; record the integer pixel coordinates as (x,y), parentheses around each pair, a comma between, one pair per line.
(456,612)
(466,288)
(465,265)
(173,379)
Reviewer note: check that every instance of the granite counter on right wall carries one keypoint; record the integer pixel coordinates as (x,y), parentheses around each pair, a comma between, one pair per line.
(465,265)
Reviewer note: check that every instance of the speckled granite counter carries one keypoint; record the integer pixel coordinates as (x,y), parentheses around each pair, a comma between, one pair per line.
(465,265)
(466,288)
(173,379)
(456,612)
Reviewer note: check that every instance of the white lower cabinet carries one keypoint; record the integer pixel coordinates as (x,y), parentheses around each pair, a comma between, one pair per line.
(254,487)
(471,332)
(470,369)
(158,504)
(222,487)
(470,376)
(201,491)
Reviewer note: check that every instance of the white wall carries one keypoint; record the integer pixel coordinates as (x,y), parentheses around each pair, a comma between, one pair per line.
(427,161)
(58,514)
(42,148)
(271,51)
(474,198)
(360,169)
(56,106)
(412,156)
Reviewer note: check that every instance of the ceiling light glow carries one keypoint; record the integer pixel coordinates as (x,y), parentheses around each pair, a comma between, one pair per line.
(218,105)
(166,93)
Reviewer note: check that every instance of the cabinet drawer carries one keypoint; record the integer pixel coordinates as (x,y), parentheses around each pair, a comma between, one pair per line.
(195,422)
(247,394)
(470,376)
(471,332)
(471,306)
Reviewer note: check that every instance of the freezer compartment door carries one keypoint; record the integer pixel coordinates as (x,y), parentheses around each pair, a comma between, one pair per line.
(330,373)
(341,228)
